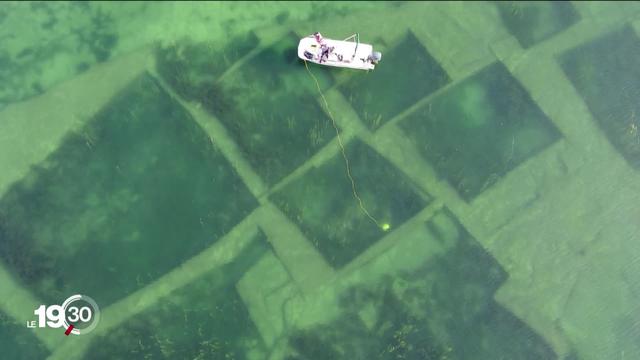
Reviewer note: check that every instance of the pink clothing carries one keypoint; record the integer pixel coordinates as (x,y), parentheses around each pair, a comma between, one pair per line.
(319,38)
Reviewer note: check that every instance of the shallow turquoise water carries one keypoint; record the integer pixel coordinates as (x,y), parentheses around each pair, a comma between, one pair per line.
(166,170)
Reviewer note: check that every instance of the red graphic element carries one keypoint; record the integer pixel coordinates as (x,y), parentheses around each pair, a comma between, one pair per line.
(68,330)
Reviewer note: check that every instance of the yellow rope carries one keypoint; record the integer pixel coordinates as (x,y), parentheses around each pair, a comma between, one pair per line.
(344,153)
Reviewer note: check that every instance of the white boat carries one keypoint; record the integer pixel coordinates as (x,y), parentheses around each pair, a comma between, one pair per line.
(347,53)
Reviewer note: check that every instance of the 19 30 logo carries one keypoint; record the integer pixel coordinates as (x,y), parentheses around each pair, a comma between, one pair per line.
(78,315)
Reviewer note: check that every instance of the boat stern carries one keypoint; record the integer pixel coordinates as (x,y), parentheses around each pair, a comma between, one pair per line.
(308,49)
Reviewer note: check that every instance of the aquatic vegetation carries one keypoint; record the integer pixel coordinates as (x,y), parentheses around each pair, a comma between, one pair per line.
(443,309)
(396,333)
(22,255)
(478,130)
(52,226)
(372,95)
(321,202)
(534,21)
(193,68)
(18,342)
(204,320)
(606,74)
(102,44)
(275,117)
(101,38)
(57,40)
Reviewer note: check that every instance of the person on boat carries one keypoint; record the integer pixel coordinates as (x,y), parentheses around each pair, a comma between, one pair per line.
(319,38)
(324,54)
(325,51)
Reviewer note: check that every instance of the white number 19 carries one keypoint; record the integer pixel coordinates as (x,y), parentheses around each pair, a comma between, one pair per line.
(54,313)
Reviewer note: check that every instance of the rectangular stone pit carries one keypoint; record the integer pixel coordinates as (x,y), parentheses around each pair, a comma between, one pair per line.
(141,175)
(605,73)
(476,131)
(533,22)
(322,204)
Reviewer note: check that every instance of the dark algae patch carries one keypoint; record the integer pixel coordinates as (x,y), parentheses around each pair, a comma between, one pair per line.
(478,130)
(18,342)
(282,17)
(141,175)
(444,309)
(380,95)
(101,38)
(321,202)
(62,40)
(605,72)
(534,21)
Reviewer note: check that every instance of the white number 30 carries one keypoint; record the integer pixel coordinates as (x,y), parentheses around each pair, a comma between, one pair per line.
(84,314)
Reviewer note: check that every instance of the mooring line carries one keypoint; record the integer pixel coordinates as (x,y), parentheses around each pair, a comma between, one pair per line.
(344,153)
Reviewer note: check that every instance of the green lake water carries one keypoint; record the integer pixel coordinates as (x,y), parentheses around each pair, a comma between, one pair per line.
(473,197)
